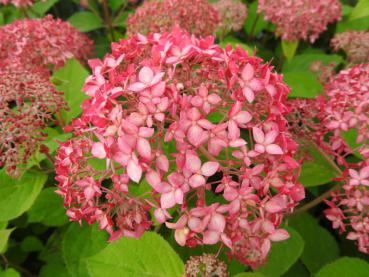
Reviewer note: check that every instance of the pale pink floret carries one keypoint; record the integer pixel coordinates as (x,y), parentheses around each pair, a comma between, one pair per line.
(249,83)
(265,142)
(359,178)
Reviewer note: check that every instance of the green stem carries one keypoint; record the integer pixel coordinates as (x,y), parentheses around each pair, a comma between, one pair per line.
(107,19)
(253,28)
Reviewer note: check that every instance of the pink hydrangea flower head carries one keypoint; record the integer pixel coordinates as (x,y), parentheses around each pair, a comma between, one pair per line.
(196,16)
(56,41)
(354,43)
(232,14)
(300,19)
(27,104)
(173,115)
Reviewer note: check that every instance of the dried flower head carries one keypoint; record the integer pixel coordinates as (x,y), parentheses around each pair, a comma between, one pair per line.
(184,121)
(354,43)
(27,103)
(206,265)
(300,19)
(232,14)
(42,42)
(196,16)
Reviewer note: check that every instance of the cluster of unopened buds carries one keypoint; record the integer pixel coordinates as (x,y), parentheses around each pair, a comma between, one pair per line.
(28,101)
(232,14)
(354,43)
(300,19)
(198,130)
(205,265)
(343,109)
(197,17)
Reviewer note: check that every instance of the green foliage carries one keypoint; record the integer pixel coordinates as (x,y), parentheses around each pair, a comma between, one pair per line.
(303,62)
(150,255)
(318,170)
(80,243)
(31,244)
(303,84)
(41,7)
(48,209)
(345,267)
(4,237)
(10,272)
(70,80)
(289,48)
(283,255)
(320,246)
(254,21)
(361,10)
(86,21)
(18,195)
(249,274)
(350,137)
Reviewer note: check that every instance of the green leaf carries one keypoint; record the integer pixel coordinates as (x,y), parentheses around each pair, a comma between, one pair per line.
(298,269)
(4,237)
(116,4)
(150,255)
(303,84)
(345,267)
(260,25)
(53,136)
(31,244)
(320,246)
(361,10)
(120,20)
(303,62)
(289,48)
(42,7)
(249,274)
(18,195)
(10,272)
(48,209)
(86,21)
(283,255)
(54,270)
(80,243)
(72,77)
(350,137)
(316,171)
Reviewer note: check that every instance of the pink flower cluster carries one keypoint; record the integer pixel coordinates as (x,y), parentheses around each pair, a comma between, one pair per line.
(198,17)
(354,43)
(28,50)
(19,3)
(202,127)
(343,108)
(42,42)
(347,108)
(27,103)
(300,19)
(232,14)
